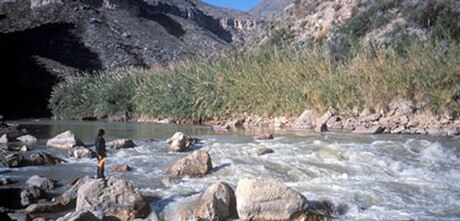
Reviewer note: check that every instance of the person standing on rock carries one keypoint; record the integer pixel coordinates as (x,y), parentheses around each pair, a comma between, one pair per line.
(101,153)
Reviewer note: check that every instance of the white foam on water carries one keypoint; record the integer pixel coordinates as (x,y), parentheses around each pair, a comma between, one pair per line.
(366,177)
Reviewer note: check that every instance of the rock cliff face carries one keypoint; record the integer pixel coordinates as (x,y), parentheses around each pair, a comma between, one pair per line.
(43,41)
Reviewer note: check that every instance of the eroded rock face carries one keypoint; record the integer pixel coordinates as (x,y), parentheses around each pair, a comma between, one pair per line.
(218,202)
(114,197)
(197,164)
(268,200)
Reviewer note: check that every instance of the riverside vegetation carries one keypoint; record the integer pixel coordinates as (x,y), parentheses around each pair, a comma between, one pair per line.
(269,82)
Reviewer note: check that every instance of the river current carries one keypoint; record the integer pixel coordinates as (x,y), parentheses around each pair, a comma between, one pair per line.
(365,177)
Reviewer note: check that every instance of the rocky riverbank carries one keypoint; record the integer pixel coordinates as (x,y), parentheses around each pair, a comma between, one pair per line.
(398,117)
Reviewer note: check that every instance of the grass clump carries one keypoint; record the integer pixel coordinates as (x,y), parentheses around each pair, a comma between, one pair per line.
(268,82)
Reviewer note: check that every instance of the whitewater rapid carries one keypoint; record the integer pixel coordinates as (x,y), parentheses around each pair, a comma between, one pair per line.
(365,177)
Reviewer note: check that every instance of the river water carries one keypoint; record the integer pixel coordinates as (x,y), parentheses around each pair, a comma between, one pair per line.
(367,177)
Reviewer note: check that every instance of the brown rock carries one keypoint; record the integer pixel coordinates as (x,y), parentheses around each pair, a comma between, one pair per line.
(218,202)
(197,164)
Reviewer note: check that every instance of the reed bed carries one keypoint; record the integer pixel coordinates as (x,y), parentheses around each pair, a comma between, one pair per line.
(268,82)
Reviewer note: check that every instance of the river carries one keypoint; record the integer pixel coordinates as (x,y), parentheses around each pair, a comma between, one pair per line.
(366,177)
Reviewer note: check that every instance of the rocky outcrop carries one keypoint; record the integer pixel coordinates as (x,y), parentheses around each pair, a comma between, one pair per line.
(113,197)
(268,200)
(217,202)
(64,140)
(197,164)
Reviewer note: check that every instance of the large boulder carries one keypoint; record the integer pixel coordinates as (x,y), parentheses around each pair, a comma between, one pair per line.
(43,183)
(197,164)
(121,144)
(179,142)
(113,197)
(70,196)
(268,200)
(65,140)
(218,202)
(374,129)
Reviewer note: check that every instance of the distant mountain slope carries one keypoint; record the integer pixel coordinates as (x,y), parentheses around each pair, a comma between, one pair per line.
(43,41)
(269,9)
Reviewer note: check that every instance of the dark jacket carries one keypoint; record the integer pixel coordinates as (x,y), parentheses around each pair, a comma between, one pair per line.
(100,146)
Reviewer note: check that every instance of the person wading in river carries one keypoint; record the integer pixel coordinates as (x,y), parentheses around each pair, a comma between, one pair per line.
(101,153)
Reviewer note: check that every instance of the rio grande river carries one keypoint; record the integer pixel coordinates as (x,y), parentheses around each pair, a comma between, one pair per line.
(368,177)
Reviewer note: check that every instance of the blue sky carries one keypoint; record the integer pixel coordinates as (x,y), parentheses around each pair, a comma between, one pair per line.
(243,5)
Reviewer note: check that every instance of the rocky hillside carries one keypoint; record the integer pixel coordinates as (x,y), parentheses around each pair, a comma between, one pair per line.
(42,41)
(270,9)
(341,22)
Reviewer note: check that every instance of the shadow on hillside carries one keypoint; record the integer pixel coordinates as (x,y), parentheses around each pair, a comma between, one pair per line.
(33,60)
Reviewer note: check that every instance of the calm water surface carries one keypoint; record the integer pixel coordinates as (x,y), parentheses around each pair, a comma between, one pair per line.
(370,177)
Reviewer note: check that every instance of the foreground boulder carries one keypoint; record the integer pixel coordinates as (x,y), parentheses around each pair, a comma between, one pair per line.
(197,164)
(179,142)
(65,140)
(268,200)
(113,197)
(218,202)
